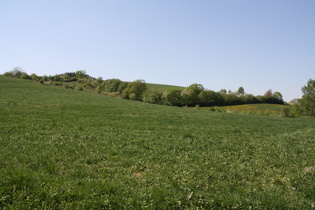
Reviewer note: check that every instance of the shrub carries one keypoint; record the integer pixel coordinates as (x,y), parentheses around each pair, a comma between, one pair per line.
(133,96)
(285,111)
(297,110)
(17,72)
(308,99)
(172,98)
(137,87)
(189,97)
(9,73)
(34,77)
(153,98)
(79,88)
(25,76)
(99,89)
(58,84)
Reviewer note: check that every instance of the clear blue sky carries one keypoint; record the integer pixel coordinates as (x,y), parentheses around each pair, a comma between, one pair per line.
(259,45)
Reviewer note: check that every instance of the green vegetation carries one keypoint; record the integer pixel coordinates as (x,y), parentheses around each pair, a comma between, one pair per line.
(193,95)
(256,109)
(159,88)
(308,100)
(65,149)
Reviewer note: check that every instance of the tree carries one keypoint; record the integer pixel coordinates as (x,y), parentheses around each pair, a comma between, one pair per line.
(25,76)
(152,97)
(308,99)
(197,88)
(172,98)
(272,98)
(232,99)
(15,72)
(223,91)
(189,97)
(241,91)
(210,98)
(277,95)
(111,85)
(34,77)
(136,88)
(81,74)
(250,99)
(268,94)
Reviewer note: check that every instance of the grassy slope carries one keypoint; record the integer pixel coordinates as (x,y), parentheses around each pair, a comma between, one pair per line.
(161,88)
(69,149)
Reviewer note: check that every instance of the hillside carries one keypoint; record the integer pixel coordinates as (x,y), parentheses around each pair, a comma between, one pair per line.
(63,148)
(161,88)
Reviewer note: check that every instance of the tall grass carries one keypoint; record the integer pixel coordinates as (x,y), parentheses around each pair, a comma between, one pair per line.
(67,149)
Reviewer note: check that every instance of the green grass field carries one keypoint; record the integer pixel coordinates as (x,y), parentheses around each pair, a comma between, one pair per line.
(161,88)
(69,149)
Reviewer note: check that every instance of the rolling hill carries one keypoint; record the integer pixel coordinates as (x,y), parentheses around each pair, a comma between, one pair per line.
(69,149)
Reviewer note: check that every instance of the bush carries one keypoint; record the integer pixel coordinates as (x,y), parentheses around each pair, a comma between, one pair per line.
(137,87)
(66,86)
(79,88)
(9,74)
(34,77)
(58,84)
(153,98)
(25,76)
(99,89)
(297,110)
(172,98)
(308,99)
(133,96)
(286,111)
(189,97)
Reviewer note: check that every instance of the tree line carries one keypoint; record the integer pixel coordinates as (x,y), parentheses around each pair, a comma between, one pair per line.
(193,95)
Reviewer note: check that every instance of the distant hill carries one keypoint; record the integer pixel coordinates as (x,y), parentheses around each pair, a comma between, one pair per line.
(161,88)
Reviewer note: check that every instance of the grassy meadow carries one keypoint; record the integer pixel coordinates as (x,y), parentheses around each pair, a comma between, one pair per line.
(69,149)
(161,88)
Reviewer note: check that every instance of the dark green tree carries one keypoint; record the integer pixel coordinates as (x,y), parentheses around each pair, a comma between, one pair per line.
(210,98)
(197,88)
(241,91)
(278,96)
(189,97)
(111,85)
(152,97)
(172,98)
(308,99)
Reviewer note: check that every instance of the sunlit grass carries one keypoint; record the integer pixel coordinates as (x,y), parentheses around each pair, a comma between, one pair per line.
(161,88)
(69,149)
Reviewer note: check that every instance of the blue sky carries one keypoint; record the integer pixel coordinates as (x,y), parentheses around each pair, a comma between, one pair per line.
(259,45)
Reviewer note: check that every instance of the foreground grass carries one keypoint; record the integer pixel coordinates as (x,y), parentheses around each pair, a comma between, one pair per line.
(70,149)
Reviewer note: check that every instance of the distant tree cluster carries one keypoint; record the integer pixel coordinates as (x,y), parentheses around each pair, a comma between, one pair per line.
(196,95)
(306,105)
(193,95)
